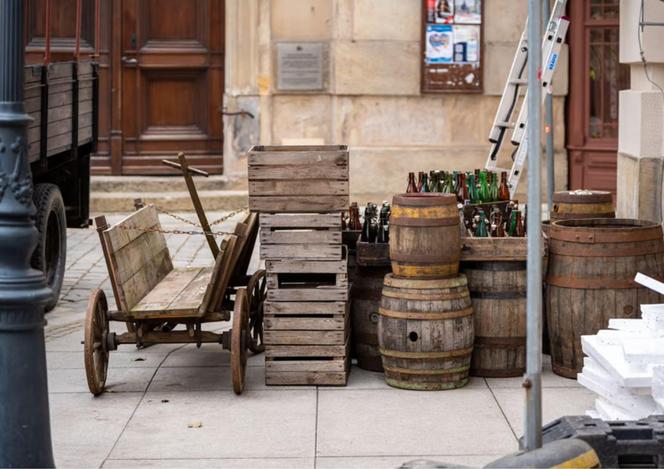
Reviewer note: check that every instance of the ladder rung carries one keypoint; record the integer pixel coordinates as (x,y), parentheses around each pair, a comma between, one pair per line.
(505,124)
(519,81)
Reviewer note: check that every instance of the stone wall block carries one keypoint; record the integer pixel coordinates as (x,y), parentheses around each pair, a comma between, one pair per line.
(396,20)
(376,68)
(504,20)
(297,117)
(639,188)
(302,20)
(641,124)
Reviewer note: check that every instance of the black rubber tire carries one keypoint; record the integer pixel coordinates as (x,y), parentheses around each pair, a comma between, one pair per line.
(50,254)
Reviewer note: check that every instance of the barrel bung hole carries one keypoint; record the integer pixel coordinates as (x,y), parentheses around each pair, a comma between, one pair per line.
(413,336)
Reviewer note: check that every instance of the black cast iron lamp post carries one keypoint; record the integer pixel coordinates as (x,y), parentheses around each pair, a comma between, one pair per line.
(25,432)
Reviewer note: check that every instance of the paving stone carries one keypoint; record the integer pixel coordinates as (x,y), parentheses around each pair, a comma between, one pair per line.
(400,423)
(396,461)
(248,463)
(118,359)
(119,380)
(549,379)
(556,402)
(208,355)
(85,428)
(363,379)
(263,424)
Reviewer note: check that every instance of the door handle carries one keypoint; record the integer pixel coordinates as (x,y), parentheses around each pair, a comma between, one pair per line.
(129,61)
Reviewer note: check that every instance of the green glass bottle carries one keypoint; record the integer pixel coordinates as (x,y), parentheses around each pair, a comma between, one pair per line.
(485,196)
(511,230)
(482,229)
(425,183)
(493,188)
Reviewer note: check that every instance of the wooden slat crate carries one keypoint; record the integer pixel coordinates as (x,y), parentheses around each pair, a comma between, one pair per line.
(307,343)
(298,178)
(301,236)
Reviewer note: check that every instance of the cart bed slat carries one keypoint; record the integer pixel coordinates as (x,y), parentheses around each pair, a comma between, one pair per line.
(164,295)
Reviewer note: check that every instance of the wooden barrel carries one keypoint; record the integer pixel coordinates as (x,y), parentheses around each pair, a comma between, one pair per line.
(592,264)
(424,236)
(365,296)
(580,204)
(498,294)
(425,332)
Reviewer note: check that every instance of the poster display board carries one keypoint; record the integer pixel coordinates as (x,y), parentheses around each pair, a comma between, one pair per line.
(452,46)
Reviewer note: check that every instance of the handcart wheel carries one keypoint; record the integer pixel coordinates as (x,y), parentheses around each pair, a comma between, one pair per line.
(239,339)
(257,290)
(95,348)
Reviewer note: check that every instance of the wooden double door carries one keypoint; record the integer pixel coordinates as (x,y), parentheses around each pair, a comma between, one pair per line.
(596,77)
(161,77)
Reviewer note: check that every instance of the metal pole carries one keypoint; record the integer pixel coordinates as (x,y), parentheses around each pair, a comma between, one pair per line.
(25,433)
(533,378)
(548,128)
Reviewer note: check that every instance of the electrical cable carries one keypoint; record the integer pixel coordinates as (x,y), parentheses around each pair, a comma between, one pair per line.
(642,52)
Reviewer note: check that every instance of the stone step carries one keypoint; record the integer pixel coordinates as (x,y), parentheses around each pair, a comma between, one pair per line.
(118,184)
(107,202)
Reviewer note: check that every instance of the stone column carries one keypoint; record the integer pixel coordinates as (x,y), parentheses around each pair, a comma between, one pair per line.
(641,129)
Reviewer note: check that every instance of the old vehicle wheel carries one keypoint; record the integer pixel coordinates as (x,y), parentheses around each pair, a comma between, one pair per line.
(51,252)
(95,341)
(239,339)
(257,290)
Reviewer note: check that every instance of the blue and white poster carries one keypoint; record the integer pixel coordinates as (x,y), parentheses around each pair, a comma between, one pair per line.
(439,44)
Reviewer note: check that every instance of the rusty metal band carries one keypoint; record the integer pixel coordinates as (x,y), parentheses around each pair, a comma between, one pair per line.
(595,235)
(583,208)
(500,342)
(424,259)
(498,295)
(429,372)
(584,250)
(577,216)
(460,353)
(494,266)
(564,371)
(421,316)
(424,200)
(458,281)
(595,283)
(401,294)
(498,373)
(420,270)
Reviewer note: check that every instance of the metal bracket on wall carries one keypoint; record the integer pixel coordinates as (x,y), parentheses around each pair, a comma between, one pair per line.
(241,112)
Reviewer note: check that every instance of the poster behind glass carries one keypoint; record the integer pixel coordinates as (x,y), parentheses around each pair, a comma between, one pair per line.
(452,46)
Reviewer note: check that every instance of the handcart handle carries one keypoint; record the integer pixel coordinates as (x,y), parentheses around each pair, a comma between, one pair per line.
(175,165)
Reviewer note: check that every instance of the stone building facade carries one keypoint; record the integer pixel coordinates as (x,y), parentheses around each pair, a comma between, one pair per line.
(372,99)
(641,142)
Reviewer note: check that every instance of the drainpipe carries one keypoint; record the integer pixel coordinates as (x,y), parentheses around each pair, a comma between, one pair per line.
(25,433)
(533,379)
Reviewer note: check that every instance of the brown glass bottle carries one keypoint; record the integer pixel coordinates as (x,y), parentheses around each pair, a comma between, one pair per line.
(421,180)
(503,189)
(354,223)
(411,183)
(520,230)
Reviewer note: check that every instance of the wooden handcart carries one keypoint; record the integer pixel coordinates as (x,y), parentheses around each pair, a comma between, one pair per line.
(154,298)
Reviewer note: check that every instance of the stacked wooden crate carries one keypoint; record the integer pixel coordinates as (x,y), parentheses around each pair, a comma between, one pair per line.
(301,193)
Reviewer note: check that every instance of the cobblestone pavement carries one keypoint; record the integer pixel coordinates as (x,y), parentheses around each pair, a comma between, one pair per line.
(173,405)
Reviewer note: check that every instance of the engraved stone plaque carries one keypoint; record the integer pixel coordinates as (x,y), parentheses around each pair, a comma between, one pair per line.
(300,66)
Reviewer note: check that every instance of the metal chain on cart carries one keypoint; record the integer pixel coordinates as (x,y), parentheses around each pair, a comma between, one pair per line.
(154,229)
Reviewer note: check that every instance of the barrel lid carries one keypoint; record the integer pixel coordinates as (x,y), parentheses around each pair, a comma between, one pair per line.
(392,280)
(604,230)
(424,199)
(582,197)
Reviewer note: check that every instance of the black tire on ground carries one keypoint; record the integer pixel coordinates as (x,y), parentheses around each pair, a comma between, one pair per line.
(51,252)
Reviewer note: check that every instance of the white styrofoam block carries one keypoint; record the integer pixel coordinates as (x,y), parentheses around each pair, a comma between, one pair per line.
(654,321)
(607,350)
(618,395)
(627,325)
(658,386)
(652,308)
(609,411)
(650,282)
(593,414)
(645,351)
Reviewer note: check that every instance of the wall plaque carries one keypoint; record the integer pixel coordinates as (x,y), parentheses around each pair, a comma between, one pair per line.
(300,66)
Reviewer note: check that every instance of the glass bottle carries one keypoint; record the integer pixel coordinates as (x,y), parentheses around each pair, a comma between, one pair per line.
(420,180)
(482,229)
(355,223)
(344,226)
(424,183)
(497,225)
(411,183)
(511,230)
(503,190)
(465,194)
(520,231)
(384,223)
(493,187)
(484,195)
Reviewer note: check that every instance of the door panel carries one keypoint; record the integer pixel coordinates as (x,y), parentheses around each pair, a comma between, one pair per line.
(172,83)
(596,78)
